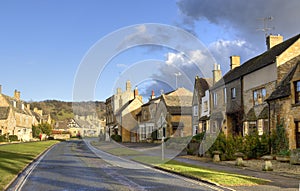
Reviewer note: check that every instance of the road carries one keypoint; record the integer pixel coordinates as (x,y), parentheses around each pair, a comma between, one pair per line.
(76,165)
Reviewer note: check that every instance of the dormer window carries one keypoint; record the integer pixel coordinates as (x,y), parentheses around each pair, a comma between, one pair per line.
(297,91)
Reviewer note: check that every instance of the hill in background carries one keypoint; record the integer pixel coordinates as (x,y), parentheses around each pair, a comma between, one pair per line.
(60,110)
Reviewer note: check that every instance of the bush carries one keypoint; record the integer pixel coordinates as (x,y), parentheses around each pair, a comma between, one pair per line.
(3,138)
(198,138)
(252,145)
(279,140)
(117,138)
(13,137)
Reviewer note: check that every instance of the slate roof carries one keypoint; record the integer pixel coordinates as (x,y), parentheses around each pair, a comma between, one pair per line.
(4,112)
(257,62)
(283,89)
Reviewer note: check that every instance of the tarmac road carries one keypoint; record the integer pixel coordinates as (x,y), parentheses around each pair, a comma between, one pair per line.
(76,165)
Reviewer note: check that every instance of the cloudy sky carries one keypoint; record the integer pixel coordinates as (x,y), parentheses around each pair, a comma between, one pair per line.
(45,45)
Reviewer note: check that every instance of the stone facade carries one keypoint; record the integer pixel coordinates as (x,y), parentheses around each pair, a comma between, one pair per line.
(284,108)
(17,119)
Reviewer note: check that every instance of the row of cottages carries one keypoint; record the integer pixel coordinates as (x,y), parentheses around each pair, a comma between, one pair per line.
(17,118)
(83,125)
(257,95)
(168,115)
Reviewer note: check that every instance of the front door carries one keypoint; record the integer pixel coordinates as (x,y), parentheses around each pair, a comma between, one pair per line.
(297,125)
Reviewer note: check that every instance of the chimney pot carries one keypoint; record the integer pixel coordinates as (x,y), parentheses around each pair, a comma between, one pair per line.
(217,73)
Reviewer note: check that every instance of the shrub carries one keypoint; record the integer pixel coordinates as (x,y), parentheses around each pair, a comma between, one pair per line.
(198,138)
(252,145)
(117,138)
(279,140)
(3,138)
(13,137)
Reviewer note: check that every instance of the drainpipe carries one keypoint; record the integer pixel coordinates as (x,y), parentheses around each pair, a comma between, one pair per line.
(269,125)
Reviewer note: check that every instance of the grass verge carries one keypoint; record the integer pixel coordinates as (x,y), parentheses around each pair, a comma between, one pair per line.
(197,172)
(14,157)
(117,151)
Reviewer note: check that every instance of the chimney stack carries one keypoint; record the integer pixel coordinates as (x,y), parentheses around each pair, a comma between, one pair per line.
(136,92)
(17,95)
(152,95)
(217,73)
(119,91)
(273,40)
(0,89)
(128,86)
(235,61)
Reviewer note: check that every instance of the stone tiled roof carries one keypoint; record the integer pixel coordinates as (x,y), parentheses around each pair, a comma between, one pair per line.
(201,85)
(177,110)
(19,104)
(264,114)
(4,112)
(118,112)
(174,101)
(251,115)
(257,62)
(283,89)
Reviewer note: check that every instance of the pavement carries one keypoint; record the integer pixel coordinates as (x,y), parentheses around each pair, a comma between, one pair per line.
(277,180)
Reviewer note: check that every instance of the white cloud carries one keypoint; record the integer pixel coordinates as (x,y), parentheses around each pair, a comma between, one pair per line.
(122,66)
(223,49)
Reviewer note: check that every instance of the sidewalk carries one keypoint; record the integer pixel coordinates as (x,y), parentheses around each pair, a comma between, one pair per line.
(278,180)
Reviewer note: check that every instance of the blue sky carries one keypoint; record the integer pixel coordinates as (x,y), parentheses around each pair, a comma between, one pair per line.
(42,43)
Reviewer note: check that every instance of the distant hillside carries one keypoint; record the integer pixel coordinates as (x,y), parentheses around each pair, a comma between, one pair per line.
(60,110)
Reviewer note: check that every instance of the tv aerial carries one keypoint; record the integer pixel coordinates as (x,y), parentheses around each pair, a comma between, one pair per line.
(266,27)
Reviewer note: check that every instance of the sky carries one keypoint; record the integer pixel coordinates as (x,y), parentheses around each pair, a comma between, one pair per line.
(45,45)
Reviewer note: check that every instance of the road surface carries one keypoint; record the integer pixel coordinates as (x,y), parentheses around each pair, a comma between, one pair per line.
(76,165)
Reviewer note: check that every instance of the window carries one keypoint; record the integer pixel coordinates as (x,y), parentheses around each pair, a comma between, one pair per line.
(205,105)
(297,91)
(195,108)
(233,93)
(195,130)
(215,99)
(297,126)
(225,95)
(204,126)
(259,96)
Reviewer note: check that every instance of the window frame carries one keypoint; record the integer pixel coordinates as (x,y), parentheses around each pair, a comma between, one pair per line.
(259,96)
(297,91)
(233,93)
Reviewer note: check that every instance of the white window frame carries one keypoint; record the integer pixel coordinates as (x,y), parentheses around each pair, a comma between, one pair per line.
(195,110)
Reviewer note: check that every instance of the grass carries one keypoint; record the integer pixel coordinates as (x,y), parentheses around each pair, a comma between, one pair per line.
(194,171)
(123,152)
(14,157)
(118,151)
